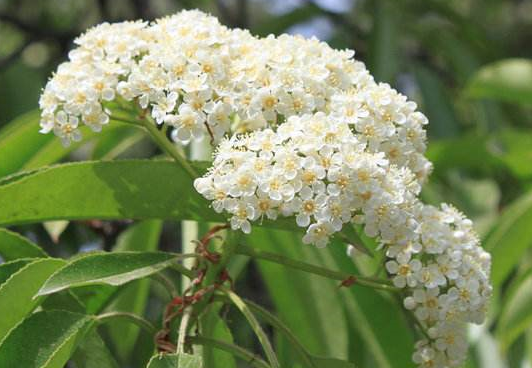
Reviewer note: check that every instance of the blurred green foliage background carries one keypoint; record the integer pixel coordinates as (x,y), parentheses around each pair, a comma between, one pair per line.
(467,63)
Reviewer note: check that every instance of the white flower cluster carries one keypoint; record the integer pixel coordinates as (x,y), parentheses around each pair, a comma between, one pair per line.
(200,78)
(316,169)
(303,131)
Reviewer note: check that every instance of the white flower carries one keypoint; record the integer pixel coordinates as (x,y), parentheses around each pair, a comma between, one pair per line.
(318,234)
(243,213)
(164,104)
(188,124)
(309,205)
(66,128)
(427,303)
(430,276)
(404,270)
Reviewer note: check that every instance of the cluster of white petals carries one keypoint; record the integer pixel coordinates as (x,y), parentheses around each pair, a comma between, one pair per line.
(303,131)
(201,78)
(316,169)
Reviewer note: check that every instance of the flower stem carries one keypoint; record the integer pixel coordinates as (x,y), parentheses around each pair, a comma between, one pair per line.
(249,357)
(139,321)
(167,146)
(213,272)
(317,270)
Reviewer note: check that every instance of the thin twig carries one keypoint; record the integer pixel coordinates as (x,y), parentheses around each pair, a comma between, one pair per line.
(182,333)
(139,321)
(167,146)
(346,278)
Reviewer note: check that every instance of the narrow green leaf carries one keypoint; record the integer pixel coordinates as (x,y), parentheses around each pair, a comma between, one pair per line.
(107,268)
(47,339)
(305,304)
(306,358)
(331,363)
(14,246)
(214,326)
(255,326)
(528,337)
(303,301)
(436,105)
(9,268)
(96,297)
(92,353)
(18,291)
(510,238)
(175,361)
(383,48)
(143,236)
(18,141)
(389,340)
(516,315)
(138,189)
(507,80)
(282,22)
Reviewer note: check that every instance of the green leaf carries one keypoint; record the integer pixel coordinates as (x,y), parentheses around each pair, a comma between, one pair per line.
(20,289)
(507,80)
(510,238)
(436,104)
(143,236)
(383,52)
(302,301)
(47,339)
(92,353)
(471,152)
(18,141)
(331,363)
(138,189)
(9,268)
(116,142)
(515,147)
(389,340)
(115,268)
(14,246)
(306,358)
(528,337)
(214,326)
(132,189)
(280,23)
(509,149)
(255,326)
(96,297)
(23,147)
(516,315)
(175,361)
